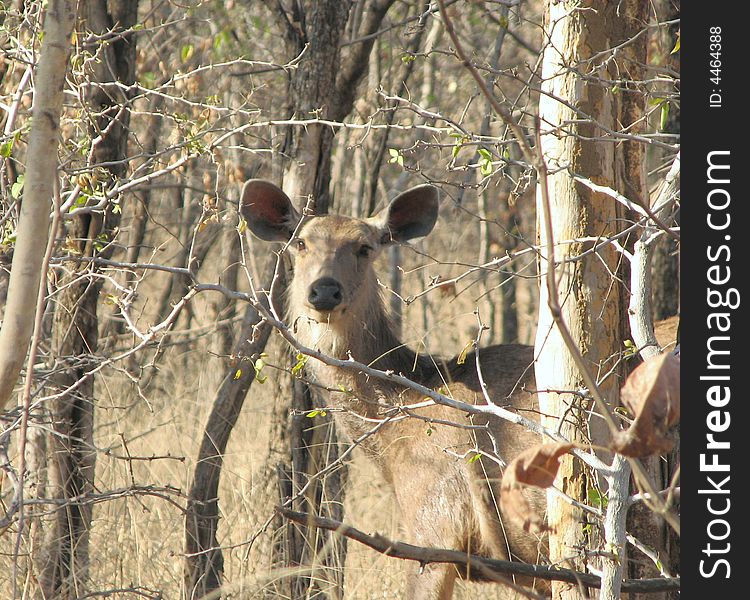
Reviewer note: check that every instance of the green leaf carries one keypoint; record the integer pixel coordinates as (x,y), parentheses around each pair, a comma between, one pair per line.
(8,239)
(17,187)
(258,366)
(221,39)
(80,201)
(664,116)
(100,242)
(460,141)
(485,163)
(596,499)
(485,167)
(462,355)
(313,413)
(237,374)
(301,360)
(396,157)
(186,52)
(6,148)
(676,46)
(148,79)
(475,458)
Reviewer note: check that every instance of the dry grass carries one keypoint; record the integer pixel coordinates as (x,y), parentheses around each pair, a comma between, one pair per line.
(139,542)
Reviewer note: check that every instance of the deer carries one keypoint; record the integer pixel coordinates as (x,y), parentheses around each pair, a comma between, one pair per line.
(334,304)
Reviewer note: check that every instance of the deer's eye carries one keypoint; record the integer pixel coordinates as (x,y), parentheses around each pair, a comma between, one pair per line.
(300,245)
(364,251)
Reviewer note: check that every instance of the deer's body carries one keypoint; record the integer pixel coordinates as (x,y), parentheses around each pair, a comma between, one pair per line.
(445,499)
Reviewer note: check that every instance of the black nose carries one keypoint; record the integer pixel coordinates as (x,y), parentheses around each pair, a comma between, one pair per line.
(325,294)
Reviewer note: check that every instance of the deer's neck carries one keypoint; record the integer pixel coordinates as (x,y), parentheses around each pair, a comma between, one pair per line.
(368,336)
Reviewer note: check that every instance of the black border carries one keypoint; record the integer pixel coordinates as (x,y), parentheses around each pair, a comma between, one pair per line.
(706,128)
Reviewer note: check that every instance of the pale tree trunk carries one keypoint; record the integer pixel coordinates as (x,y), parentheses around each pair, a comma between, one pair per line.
(40,174)
(41,171)
(643,523)
(589,298)
(61,556)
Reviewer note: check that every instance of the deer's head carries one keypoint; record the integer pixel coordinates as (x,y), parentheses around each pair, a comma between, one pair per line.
(332,254)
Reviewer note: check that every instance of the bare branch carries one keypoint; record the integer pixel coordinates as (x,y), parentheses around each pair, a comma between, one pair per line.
(498,570)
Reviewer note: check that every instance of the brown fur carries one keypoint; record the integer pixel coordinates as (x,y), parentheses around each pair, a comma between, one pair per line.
(445,500)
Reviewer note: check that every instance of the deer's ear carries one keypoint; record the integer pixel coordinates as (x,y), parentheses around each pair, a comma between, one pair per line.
(410,215)
(268,211)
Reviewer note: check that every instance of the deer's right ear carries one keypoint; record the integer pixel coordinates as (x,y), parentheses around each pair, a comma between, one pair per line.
(268,211)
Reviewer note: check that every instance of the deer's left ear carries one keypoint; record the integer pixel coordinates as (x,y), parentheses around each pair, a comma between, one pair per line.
(411,214)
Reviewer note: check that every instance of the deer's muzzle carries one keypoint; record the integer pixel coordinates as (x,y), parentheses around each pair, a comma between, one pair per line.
(325,294)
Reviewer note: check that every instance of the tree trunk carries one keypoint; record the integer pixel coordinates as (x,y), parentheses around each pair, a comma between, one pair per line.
(204,559)
(61,550)
(307,175)
(589,298)
(41,172)
(631,180)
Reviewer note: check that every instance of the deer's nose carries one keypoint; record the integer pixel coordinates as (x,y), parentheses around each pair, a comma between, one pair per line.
(325,294)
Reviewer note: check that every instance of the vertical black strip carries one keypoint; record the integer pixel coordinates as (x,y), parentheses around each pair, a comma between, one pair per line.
(715,272)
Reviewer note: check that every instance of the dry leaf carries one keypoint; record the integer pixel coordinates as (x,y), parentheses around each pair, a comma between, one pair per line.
(652,394)
(446,288)
(535,467)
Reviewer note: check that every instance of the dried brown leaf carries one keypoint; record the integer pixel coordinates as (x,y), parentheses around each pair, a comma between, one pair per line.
(535,467)
(652,394)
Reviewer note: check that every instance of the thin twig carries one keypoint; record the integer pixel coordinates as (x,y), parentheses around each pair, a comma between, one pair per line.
(35,339)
